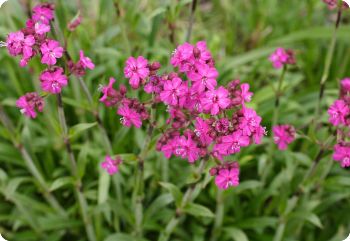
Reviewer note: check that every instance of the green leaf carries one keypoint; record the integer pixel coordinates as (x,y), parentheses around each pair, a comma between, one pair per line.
(236,234)
(123,237)
(79,128)
(174,190)
(198,210)
(63,181)
(307,216)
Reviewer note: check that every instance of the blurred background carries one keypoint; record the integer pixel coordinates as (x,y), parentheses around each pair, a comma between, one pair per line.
(241,35)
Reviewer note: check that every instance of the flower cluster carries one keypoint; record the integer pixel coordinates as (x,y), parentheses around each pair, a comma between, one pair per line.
(33,41)
(333,4)
(282,57)
(111,165)
(339,116)
(283,135)
(205,119)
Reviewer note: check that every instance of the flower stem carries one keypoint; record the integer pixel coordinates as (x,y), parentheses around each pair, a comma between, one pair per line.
(80,196)
(138,194)
(219,215)
(30,164)
(327,66)
(169,228)
(278,94)
(191,20)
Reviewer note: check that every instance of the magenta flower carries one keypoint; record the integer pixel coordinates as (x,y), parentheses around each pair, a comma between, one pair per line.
(18,44)
(202,131)
(51,50)
(232,143)
(203,78)
(110,95)
(43,13)
(201,53)
(279,58)
(136,70)
(342,154)
(227,176)
(29,103)
(129,117)
(172,91)
(283,135)
(53,81)
(338,112)
(250,121)
(182,57)
(187,148)
(85,62)
(216,100)
(111,165)
(345,87)
(41,28)
(246,96)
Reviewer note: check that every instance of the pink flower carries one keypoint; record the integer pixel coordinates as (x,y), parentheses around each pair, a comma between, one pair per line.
(227,177)
(203,78)
(283,135)
(18,44)
(338,112)
(136,70)
(250,121)
(111,165)
(342,154)
(41,28)
(201,53)
(74,23)
(172,91)
(258,134)
(43,13)
(129,117)
(29,103)
(182,57)
(246,96)
(216,100)
(332,4)
(345,87)
(85,62)
(110,95)
(187,148)
(279,58)
(53,81)
(202,131)
(51,50)
(154,85)
(232,143)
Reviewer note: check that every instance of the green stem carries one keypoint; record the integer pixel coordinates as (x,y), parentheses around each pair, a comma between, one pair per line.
(191,20)
(219,215)
(30,164)
(81,199)
(278,94)
(169,228)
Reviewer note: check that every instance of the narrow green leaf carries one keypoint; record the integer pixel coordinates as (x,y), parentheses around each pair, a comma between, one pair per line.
(60,182)
(79,128)
(236,234)
(174,190)
(198,210)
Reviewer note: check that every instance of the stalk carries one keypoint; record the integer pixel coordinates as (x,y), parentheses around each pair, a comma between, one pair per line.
(278,94)
(219,215)
(138,194)
(30,164)
(187,198)
(81,199)
(191,20)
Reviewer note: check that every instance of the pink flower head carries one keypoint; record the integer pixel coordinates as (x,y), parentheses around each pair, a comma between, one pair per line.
(202,131)
(216,100)
(232,143)
(18,44)
(227,176)
(129,116)
(110,95)
(43,13)
(279,58)
(172,91)
(29,103)
(250,121)
(74,23)
(111,165)
(345,87)
(53,81)
(342,154)
(246,96)
(201,53)
(187,148)
(332,4)
(154,85)
(283,135)
(85,62)
(136,70)
(51,50)
(182,57)
(338,112)
(203,78)
(41,28)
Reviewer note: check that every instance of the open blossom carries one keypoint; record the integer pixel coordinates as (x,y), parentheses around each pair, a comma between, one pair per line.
(136,70)
(342,154)
(43,13)
(85,62)
(129,117)
(226,175)
(216,100)
(51,50)
(111,165)
(41,28)
(232,143)
(283,135)
(172,91)
(29,103)
(18,44)
(250,121)
(202,131)
(187,148)
(345,87)
(203,78)
(112,96)
(338,112)
(246,96)
(182,57)
(282,57)
(201,53)
(53,81)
